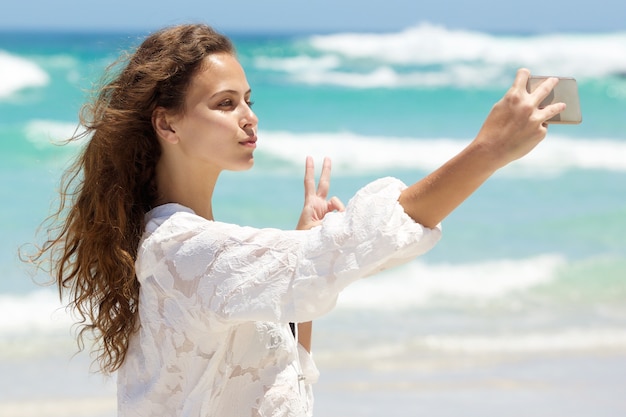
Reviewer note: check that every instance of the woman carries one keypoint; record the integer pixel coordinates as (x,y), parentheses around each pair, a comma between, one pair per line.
(193,313)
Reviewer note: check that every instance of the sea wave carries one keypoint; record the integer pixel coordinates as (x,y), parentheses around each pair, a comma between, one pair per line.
(563,340)
(357,154)
(414,284)
(533,295)
(352,153)
(427,44)
(445,350)
(297,63)
(433,55)
(418,284)
(388,77)
(17,73)
(37,312)
(46,133)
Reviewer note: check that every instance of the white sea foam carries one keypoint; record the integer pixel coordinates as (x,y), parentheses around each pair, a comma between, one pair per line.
(386,76)
(416,284)
(426,44)
(34,325)
(418,350)
(36,312)
(356,153)
(558,341)
(430,55)
(298,63)
(352,153)
(413,284)
(46,133)
(18,73)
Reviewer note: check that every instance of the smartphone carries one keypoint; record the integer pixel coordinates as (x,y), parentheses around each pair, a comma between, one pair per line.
(566,91)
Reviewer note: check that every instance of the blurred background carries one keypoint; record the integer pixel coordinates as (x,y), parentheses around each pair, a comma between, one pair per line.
(519,310)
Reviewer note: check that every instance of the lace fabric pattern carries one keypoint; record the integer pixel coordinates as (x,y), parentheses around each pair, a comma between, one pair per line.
(216,300)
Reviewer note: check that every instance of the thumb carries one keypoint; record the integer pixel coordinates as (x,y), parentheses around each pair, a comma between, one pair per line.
(335,204)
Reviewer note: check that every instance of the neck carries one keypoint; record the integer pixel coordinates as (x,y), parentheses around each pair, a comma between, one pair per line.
(189,187)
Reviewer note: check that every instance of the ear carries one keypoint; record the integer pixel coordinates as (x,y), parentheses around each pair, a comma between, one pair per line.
(162,125)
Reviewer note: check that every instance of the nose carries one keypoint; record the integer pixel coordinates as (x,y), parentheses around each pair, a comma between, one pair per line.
(249,119)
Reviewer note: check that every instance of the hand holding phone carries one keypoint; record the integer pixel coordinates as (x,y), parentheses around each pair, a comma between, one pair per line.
(566,91)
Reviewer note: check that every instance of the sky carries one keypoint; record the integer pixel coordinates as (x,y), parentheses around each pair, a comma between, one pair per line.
(289,16)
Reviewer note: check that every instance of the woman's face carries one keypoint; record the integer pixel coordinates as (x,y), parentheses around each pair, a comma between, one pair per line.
(218,127)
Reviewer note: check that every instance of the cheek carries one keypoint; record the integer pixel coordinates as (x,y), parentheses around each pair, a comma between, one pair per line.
(207,131)
(223,125)
(217,124)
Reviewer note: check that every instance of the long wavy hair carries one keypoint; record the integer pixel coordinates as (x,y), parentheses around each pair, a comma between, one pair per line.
(93,235)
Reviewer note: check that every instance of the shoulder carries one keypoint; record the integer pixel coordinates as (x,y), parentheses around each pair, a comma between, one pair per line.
(172,224)
(387,186)
(174,219)
(171,228)
(171,213)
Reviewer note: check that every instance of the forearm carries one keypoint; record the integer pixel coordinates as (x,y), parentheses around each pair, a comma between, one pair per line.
(304,334)
(430,200)
(513,128)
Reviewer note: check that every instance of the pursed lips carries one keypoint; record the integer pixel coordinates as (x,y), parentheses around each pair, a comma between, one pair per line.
(251,141)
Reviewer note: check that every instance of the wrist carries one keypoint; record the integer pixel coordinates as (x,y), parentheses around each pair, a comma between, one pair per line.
(488,153)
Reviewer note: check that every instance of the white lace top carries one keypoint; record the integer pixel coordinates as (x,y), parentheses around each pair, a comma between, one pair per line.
(216,300)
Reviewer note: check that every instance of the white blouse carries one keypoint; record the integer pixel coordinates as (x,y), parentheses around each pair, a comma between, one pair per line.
(216,300)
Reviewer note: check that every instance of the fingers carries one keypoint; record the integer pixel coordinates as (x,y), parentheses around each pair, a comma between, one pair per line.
(544,89)
(309,177)
(552,110)
(542,92)
(324,184)
(521,79)
(336,204)
(539,94)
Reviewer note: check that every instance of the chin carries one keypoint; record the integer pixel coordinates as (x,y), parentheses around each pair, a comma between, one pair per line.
(244,166)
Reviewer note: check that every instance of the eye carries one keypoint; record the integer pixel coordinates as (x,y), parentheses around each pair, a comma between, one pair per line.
(250,103)
(226,103)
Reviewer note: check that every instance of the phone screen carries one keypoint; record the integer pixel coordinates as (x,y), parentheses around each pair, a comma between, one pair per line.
(566,91)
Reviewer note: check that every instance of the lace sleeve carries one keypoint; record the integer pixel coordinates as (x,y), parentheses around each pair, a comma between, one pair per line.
(248,274)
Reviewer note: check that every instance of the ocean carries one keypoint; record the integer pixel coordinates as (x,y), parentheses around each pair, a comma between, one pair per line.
(519,310)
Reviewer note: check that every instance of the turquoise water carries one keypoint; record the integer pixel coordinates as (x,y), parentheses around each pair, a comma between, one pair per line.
(535,261)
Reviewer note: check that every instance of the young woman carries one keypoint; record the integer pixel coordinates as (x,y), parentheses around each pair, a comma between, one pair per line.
(193,313)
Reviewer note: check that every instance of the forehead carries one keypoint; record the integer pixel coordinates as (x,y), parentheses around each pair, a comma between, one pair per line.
(219,72)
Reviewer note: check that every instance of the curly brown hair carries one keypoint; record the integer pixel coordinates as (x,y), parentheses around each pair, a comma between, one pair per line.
(93,236)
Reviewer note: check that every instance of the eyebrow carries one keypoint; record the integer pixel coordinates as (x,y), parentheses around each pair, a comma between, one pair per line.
(231,92)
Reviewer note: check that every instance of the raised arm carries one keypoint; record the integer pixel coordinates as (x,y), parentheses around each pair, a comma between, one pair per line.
(315,208)
(513,128)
